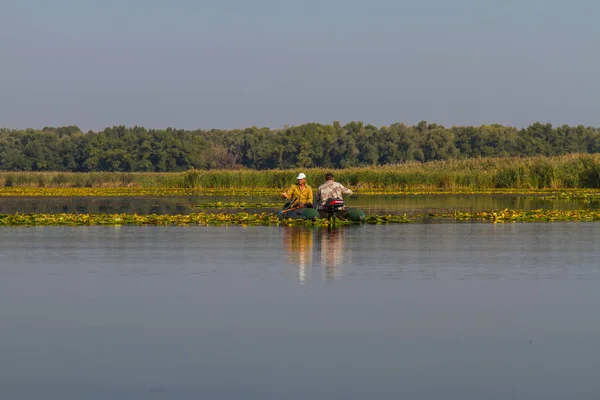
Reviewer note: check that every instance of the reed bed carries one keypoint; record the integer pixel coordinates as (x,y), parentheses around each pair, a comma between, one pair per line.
(91,179)
(569,171)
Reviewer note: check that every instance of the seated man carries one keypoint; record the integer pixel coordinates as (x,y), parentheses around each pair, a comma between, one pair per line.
(300,195)
(330,190)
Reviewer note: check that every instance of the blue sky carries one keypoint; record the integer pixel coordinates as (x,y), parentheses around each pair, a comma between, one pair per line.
(199,64)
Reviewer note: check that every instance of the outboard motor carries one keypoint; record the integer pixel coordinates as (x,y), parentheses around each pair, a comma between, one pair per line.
(332,206)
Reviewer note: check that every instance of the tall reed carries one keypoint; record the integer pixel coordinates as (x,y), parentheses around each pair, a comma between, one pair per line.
(569,171)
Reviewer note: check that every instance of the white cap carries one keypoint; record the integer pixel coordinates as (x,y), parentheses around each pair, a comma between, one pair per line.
(301,176)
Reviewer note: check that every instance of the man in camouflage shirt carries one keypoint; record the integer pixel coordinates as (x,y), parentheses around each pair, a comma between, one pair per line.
(330,190)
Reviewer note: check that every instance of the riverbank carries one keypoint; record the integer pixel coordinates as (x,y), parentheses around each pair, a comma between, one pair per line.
(574,171)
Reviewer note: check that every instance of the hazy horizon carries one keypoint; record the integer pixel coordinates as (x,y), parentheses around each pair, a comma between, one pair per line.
(233,64)
(284,127)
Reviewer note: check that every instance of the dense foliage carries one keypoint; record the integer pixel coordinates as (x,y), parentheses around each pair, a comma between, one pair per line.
(137,149)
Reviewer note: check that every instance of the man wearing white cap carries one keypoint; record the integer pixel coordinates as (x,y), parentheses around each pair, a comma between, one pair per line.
(300,195)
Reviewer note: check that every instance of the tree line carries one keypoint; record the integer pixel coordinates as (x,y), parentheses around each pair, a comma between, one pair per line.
(137,149)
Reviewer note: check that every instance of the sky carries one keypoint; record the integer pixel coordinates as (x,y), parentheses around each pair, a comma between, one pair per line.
(227,64)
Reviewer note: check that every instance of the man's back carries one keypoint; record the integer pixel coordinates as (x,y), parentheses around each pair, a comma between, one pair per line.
(331,190)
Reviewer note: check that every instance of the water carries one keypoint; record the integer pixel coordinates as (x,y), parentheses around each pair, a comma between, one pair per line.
(418,311)
(375,204)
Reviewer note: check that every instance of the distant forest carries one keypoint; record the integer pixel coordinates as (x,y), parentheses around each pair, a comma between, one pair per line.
(137,149)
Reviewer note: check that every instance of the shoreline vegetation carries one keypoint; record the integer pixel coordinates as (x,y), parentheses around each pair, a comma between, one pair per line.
(247,219)
(547,194)
(473,175)
(565,177)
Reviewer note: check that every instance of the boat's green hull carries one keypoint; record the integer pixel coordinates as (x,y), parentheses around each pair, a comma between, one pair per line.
(299,213)
(351,214)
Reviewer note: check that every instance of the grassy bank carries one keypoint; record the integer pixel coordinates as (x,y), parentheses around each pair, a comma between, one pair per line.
(562,172)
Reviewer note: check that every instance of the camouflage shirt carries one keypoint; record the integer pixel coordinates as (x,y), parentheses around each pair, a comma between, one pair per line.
(330,190)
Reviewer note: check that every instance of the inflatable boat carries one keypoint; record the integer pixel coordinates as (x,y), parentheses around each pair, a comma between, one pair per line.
(334,209)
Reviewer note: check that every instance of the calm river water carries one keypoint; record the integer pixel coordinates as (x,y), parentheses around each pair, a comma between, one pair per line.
(417,311)
(375,204)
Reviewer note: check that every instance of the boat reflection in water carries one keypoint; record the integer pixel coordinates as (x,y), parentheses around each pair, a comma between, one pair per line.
(319,246)
(298,246)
